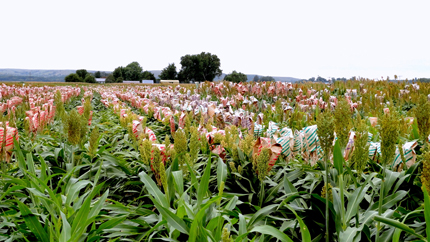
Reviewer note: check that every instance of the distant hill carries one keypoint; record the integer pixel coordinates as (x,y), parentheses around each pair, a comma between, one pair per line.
(277,78)
(26,75)
(249,76)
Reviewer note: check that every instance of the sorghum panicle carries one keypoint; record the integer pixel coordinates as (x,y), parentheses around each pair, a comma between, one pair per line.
(235,153)
(232,167)
(167,147)
(325,131)
(87,108)
(342,122)
(194,144)
(262,163)
(425,174)
(330,192)
(58,102)
(180,141)
(155,162)
(247,144)
(94,137)
(163,177)
(389,131)
(181,148)
(361,147)
(145,150)
(422,114)
(226,236)
(240,169)
(73,127)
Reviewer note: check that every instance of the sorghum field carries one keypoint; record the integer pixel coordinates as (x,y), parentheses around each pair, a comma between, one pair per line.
(220,161)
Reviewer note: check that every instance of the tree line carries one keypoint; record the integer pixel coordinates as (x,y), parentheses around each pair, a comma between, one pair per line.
(194,68)
(81,75)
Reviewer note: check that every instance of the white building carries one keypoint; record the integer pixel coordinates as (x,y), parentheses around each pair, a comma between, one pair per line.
(101,80)
(169,81)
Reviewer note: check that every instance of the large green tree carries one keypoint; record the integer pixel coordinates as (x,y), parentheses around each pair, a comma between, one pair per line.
(72,78)
(110,79)
(200,67)
(98,74)
(146,75)
(133,72)
(267,79)
(169,73)
(119,72)
(90,79)
(256,78)
(236,77)
(82,73)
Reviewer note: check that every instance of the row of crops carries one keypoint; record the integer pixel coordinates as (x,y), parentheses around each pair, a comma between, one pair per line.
(221,161)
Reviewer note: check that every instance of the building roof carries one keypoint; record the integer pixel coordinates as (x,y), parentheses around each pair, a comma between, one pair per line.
(100,79)
(169,81)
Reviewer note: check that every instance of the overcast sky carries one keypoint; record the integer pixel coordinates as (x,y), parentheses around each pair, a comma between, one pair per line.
(278,38)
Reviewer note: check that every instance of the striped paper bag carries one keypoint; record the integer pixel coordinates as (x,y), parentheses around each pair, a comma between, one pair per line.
(258,130)
(298,142)
(80,109)
(151,134)
(271,130)
(137,128)
(408,153)
(287,143)
(310,138)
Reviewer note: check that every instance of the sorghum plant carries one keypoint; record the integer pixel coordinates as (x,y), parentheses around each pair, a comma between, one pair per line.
(181,147)
(163,177)
(167,147)
(327,190)
(342,122)
(247,144)
(94,138)
(156,161)
(74,128)
(145,146)
(58,102)
(425,174)
(422,114)
(326,136)
(261,163)
(325,132)
(361,147)
(87,108)
(194,144)
(389,131)
(226,236)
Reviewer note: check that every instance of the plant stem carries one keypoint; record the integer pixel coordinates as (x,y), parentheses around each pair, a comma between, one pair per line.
(261,193)
(327,220)
(342,201)
(381,195)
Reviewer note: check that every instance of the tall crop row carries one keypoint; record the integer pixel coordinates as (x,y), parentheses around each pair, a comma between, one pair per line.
(346,161)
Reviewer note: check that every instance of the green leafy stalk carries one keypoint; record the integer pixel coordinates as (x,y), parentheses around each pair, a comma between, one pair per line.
(325,133)
(342,123)
(422,114)
(389,134)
